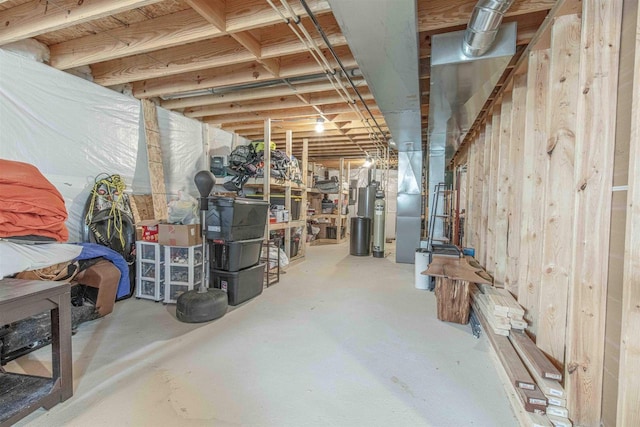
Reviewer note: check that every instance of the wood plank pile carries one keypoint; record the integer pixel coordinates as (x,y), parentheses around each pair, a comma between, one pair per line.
(499,307)
(533,380)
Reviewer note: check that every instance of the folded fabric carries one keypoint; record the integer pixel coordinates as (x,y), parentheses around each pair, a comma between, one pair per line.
(29,203)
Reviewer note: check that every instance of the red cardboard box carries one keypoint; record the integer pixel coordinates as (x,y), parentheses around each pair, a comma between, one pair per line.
(147,230)
(179,235)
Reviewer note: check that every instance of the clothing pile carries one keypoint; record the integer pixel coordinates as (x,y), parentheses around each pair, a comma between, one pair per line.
(30,206)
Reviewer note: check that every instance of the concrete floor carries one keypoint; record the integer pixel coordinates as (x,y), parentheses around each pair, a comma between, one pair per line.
(340,341)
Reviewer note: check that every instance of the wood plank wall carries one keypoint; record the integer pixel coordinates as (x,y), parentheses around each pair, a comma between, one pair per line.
(628,411)
(539,200)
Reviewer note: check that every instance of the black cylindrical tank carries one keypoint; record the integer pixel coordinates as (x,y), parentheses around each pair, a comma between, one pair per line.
(360,242)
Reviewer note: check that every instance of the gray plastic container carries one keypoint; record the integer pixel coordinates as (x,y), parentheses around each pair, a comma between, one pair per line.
(240,286)
(234,256)
(233,219)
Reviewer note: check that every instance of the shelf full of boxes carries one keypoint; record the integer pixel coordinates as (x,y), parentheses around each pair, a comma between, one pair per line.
(287,198)
(329,211)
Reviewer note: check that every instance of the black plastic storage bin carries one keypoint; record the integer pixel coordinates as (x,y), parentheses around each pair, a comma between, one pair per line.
(240,286)
(232,219)
(294,246)
(234,256)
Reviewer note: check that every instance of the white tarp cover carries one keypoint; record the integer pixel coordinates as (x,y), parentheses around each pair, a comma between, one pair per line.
(69,128)
(73,130)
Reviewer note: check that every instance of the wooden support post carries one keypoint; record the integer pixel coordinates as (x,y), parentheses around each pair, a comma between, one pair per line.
(628,412)
(559,201)
(478,195)
(266,187)
(514,202)
(592,184)
(483,257)
(340,201)
(306,183)
(470,183)
(533,187)
(154,157)
(287,194)
(493,189)
(501,224)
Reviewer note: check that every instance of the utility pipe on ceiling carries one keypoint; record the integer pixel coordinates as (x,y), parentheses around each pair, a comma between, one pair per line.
(483,26)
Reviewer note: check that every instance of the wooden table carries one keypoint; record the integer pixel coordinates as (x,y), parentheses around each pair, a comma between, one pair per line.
(21,394)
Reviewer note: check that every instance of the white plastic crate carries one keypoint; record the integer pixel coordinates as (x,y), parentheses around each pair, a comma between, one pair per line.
(150,271)
(183,270)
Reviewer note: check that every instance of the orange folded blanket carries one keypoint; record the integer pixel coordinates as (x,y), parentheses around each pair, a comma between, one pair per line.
(29,203)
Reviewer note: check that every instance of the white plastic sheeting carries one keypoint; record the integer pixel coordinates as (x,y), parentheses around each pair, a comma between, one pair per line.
(69,128)
(183,152)
(73,130)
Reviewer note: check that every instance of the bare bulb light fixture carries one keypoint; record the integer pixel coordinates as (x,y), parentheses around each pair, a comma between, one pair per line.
(320,125)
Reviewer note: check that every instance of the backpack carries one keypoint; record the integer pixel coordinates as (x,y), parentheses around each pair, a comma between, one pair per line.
(241,155)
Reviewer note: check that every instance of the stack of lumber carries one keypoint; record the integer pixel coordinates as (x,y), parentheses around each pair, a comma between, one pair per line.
(499,307)
(546,376)
(533,382)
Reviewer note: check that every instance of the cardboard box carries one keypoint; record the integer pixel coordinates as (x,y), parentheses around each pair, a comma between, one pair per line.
(147,230)
(179,235)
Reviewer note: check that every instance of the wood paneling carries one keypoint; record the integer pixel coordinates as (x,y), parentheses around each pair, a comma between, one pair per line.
(596,113)
(628,412)
(501,223)
(515,168)
(559,200)
(486,194)
(533,186)
(490,237)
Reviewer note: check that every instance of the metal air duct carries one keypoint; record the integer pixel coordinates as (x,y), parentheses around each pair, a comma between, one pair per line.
(383,36)
(483,26)
(460,85)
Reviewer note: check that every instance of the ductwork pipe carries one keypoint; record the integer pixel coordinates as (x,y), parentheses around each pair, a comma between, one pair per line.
(483,26)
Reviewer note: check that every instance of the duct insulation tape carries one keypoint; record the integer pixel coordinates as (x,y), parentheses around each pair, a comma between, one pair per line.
(423,258)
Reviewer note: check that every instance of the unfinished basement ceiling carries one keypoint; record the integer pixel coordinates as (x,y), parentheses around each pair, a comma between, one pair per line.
(235,63)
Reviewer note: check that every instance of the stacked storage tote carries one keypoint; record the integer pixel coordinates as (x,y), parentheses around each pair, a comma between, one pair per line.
(235,231)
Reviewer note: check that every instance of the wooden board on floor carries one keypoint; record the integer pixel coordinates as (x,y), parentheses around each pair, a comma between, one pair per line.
(539,362)
(517,373)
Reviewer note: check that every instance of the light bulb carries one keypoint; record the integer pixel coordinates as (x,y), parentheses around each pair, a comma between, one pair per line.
(320,125)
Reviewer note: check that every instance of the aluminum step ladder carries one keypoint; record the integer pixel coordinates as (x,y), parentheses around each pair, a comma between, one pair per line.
(441,191)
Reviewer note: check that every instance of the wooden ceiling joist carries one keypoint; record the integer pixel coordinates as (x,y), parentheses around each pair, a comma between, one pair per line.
(250,14)
(146,36)
(248,95)
(305,111)
(211,10)
(434,15)
(237,74)
(291,101)
(37,17)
